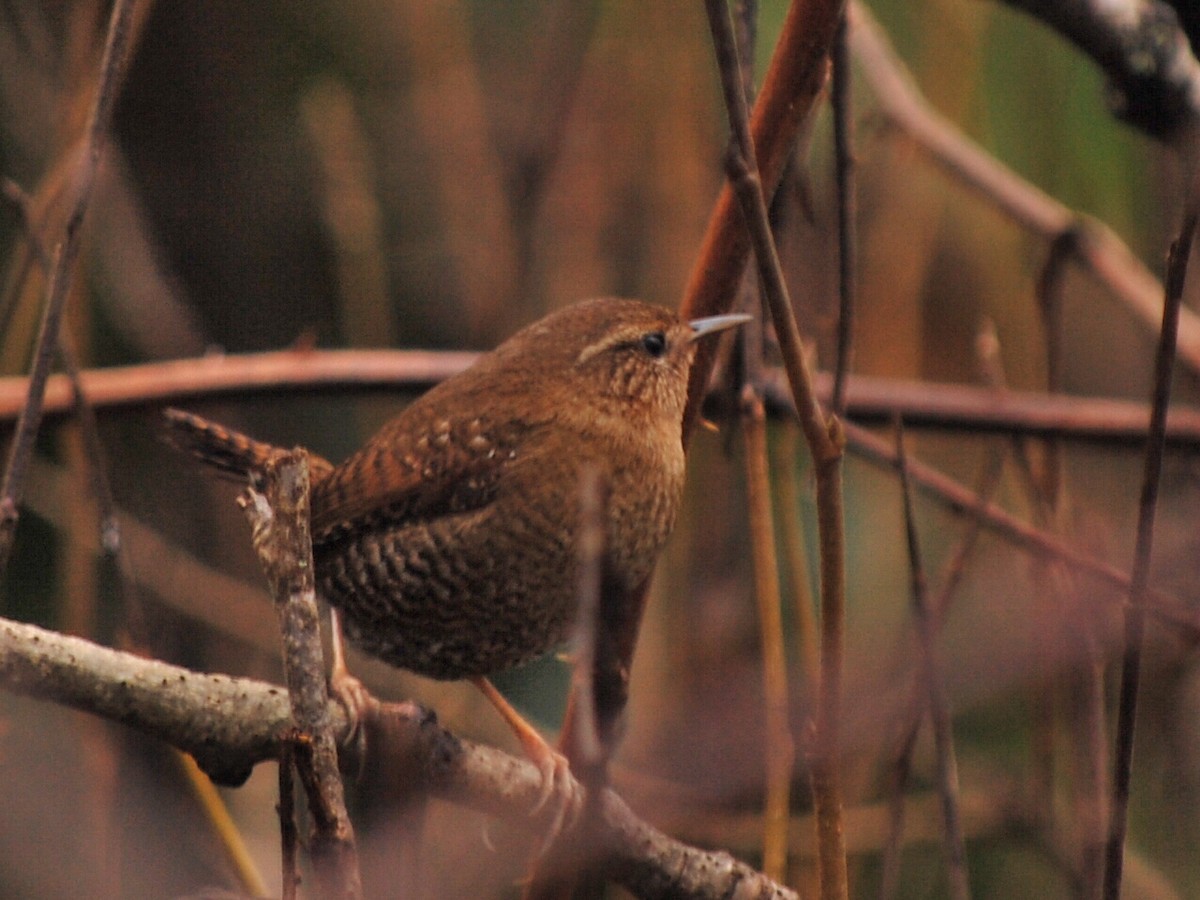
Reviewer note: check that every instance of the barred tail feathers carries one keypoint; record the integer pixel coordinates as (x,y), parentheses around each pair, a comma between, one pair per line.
(215,445)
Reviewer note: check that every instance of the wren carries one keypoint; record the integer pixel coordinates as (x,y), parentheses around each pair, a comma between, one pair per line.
(447,541)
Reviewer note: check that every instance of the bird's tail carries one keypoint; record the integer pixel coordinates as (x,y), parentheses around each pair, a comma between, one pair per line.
(228,451)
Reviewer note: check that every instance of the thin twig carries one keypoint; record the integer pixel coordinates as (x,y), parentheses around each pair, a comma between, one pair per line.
(1135,613)
(777,747)
(783,463)
(789,91)
(841,99)
(913,711)
(1049,292)
(116,54)
(897,790)
(938,703)
(964,501)
(743,174)
(825,444)
(288,834)
(1081,691)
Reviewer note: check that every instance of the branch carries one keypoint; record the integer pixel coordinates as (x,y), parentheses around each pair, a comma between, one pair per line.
(825,443)
(789,91)
(232,724)
(1154,80)
(278,510)
(962,500)
(935,691)
(919,403)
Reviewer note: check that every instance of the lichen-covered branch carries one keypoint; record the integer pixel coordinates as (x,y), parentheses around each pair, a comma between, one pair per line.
(232,724)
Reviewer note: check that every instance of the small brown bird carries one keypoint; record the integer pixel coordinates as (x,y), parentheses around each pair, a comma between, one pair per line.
(447,541)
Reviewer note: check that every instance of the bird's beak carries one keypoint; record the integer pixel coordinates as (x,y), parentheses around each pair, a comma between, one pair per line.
(713,324)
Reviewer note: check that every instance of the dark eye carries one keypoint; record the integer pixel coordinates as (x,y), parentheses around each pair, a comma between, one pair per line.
(654,343)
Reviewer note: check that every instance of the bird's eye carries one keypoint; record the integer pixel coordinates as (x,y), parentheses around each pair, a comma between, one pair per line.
(654,343)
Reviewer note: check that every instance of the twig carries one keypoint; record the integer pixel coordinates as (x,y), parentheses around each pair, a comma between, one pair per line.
(1098,249)
(789,91)
(1082,691)
(783,462)
(277,505)
(156,384)
(116,53)
(963,501)
(742,169)
(231,724)
(1049,292)
(825,444)
(230,839)
(589,730)
(841,99)
(938,704)
(1135,613)
(911,715)
(777,747)
(288,834)
(589,759)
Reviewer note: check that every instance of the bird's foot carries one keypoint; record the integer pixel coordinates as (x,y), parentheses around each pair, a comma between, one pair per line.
(560,793)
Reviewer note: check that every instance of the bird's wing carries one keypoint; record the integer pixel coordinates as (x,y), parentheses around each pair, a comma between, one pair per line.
(421,465)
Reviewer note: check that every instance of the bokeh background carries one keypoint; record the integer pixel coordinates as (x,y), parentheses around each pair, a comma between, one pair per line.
(418,174)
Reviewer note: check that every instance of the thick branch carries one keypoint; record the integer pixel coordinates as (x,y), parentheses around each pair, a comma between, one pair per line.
(1154,80)
(232,724)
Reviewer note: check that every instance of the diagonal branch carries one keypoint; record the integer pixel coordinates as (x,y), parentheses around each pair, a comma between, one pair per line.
(1097,249)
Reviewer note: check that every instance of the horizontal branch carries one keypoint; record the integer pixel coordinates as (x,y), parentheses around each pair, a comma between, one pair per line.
(919,403)
(231,724)
(218,375)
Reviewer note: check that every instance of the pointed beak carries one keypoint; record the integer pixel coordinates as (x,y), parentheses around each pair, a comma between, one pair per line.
(713,324)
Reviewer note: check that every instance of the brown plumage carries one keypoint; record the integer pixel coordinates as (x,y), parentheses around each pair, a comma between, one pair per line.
(447,541)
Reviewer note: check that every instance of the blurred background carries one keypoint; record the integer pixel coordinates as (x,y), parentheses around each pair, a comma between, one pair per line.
(434,175)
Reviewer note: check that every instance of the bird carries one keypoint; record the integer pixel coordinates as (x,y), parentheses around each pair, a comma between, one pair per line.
(447,541)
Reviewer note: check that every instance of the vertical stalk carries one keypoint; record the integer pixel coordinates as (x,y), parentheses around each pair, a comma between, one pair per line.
(1140,576)
(778,747)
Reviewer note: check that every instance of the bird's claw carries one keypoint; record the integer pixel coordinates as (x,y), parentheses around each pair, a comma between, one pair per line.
(560,793)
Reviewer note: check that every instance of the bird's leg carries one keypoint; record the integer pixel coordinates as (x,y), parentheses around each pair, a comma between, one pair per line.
(348,689)
(557,780)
